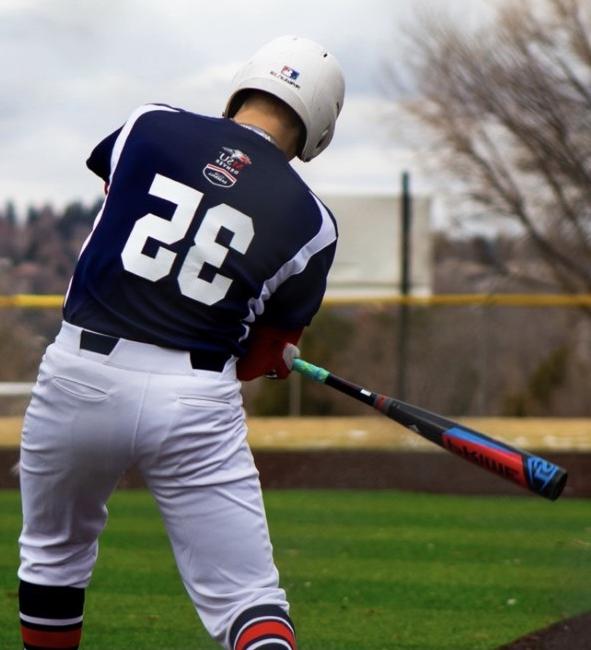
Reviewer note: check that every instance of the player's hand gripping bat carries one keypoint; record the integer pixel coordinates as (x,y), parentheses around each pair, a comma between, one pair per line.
(529,471)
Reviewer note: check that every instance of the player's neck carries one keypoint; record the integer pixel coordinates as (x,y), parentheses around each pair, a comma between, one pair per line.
(280,135)
(268,137)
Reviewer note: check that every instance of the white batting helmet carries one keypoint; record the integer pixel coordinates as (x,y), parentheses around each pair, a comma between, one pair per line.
(306,77)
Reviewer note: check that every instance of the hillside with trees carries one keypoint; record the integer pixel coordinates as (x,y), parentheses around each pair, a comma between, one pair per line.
(461,360)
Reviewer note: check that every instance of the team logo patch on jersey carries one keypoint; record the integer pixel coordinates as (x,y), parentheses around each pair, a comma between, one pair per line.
(228,165)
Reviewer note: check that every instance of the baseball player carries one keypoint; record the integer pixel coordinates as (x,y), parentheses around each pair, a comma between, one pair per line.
(207,259)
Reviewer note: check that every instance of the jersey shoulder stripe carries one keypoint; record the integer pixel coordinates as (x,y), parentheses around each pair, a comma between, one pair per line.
(326,235)
(325,212)
(127,128)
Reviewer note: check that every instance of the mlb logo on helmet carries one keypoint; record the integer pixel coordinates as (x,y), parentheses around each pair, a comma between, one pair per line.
(290,73)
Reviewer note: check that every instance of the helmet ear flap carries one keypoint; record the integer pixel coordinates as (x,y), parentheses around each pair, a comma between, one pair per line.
(323,136)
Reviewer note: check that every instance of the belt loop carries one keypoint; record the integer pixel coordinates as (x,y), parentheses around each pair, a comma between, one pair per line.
(100,343)
(208,360)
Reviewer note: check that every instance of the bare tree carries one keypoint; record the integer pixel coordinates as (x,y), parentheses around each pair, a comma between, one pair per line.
(511,106)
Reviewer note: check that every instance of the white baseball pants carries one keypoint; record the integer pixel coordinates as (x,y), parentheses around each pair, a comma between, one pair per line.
(91,417)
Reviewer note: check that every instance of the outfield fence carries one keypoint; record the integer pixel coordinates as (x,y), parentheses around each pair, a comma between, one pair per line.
(53,301)
(480,354)
(15,388)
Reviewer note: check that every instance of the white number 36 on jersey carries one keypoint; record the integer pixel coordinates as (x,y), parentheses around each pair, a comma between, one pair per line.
(205,248)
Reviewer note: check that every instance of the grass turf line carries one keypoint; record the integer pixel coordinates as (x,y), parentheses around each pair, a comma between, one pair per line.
(363,570)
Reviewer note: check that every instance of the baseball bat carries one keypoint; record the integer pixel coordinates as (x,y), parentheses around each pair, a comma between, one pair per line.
(526,470)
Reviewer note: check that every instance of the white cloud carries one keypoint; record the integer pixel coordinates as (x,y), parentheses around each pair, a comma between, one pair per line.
(8,7)
(46,166)
(73,71)
(206,90)
(361,166)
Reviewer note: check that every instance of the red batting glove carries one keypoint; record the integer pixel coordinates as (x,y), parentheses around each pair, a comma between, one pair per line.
(265,354)
(290,352)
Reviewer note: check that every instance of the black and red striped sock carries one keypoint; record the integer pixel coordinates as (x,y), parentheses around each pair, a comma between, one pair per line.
(264,627)
(51,617)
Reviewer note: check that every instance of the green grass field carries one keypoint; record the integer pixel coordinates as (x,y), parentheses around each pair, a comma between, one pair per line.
(364,571)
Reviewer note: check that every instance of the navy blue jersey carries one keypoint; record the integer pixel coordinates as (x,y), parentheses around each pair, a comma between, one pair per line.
(205,229)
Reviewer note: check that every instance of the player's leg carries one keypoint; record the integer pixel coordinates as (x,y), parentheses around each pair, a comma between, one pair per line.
(207,487)
(72,453)
(221,544)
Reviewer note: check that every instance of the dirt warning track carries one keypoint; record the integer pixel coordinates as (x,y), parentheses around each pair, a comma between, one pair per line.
(376,453)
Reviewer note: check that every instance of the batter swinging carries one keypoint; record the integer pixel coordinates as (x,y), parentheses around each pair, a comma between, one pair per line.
(207,259)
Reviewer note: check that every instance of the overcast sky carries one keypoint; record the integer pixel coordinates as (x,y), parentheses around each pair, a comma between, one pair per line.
(71,71)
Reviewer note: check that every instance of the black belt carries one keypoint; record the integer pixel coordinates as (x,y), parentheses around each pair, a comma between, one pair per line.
(200,359)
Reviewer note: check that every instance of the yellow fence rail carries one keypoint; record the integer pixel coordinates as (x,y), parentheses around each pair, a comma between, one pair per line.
(52,301)
(30,300)
(464,299)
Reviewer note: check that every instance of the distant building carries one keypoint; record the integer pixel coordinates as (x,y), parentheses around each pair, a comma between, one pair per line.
(368,259)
